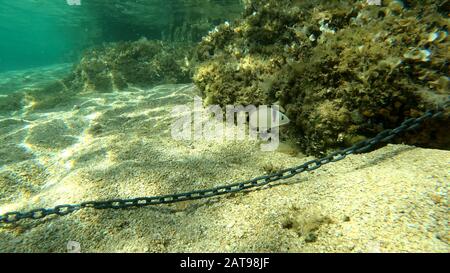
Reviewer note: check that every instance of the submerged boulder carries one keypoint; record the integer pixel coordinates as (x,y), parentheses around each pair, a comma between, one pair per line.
(343,70)
(142,63)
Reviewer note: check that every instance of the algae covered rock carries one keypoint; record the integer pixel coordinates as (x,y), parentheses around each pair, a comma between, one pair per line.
(142,63)
(343,70)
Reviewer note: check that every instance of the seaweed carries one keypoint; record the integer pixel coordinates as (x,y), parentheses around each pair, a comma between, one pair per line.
(142,63)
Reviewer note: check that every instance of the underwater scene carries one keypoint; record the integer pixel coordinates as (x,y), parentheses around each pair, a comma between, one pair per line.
(229,126)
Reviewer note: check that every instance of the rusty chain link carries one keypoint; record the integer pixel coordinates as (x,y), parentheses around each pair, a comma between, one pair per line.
(360,147)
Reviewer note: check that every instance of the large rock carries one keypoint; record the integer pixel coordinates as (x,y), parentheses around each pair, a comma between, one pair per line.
(343,71)
(143,63)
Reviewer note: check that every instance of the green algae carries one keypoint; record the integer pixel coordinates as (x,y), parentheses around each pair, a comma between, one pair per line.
(142,63)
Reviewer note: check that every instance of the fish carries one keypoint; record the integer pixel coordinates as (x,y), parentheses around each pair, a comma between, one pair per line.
(266,118)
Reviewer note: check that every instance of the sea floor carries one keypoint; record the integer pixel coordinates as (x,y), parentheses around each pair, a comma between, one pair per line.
(16,80)
(119,145)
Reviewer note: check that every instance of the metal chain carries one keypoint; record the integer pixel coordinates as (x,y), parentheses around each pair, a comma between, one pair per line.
(360,147)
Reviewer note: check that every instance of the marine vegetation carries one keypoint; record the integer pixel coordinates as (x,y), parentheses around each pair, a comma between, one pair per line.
(142,63)
(343,70)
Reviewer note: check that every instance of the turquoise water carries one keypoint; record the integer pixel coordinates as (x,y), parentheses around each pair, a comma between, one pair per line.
(37,33)
(34,33)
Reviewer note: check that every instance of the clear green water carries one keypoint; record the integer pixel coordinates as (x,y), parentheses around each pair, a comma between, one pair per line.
(45,32)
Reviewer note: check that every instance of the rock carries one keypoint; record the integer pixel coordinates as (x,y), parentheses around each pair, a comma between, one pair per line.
(366,69)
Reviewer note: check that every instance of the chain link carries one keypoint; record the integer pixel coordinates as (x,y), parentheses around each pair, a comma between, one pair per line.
(360,147)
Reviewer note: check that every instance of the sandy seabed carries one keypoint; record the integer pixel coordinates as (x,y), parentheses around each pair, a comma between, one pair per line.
(118,145)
